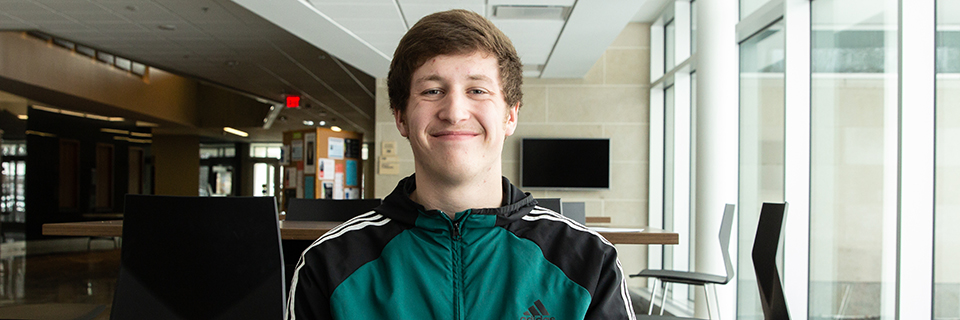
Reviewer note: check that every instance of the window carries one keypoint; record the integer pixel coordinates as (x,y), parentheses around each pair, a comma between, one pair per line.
(761,148)
(853,200)
(947,241)
(671,132)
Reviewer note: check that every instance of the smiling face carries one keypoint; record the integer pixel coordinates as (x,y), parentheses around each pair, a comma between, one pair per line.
(457,119)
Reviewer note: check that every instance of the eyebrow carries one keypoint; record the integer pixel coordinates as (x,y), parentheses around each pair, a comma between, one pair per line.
(435,77)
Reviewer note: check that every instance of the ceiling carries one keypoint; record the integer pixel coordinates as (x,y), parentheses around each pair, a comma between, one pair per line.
(328,51)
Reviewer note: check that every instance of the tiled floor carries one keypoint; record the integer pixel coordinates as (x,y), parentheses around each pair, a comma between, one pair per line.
(58,273)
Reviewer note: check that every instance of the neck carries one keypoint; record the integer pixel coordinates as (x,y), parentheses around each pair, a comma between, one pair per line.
(451,197)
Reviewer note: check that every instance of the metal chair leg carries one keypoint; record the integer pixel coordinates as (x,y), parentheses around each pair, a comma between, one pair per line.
(713,304)
(653,297)
(663,296)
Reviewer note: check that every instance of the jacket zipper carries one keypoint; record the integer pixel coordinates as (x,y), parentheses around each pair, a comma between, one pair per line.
(457,245)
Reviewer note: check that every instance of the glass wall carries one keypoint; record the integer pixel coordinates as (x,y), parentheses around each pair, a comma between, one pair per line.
(761,148)
(670,40)
(854,145)
(947,240)
(670,161)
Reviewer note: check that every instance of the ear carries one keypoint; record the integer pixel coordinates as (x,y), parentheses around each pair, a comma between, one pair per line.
(398,117)
(510,124)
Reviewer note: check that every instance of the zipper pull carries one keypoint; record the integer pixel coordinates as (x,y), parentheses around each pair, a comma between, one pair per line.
(455,230)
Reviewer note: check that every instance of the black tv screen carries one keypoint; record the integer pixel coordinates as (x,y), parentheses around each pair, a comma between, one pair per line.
(565,163)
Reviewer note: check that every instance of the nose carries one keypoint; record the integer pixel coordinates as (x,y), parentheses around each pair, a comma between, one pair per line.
(455,108)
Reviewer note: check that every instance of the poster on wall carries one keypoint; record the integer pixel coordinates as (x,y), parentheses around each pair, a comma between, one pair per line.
(300,185)
(338,186)
(351,172)
(310,144)
(325,169)
(326,190)
(290,178)
(308,191)
(296,150)
(335,148)
(351,193)
(285,155)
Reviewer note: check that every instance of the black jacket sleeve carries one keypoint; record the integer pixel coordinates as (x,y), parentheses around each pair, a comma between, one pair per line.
(307,299)
(610,298)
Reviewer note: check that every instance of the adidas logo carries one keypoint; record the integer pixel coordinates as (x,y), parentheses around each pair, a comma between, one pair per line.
(537,312)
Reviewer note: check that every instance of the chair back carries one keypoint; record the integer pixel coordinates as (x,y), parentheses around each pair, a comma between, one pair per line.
(765,261)
(726,226)
(550,203)
(200,258)
(575,210)
(328,209)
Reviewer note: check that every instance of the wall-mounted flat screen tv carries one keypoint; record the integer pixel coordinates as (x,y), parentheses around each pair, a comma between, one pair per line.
(565,163)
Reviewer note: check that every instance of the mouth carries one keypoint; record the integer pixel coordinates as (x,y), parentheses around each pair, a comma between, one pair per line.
(454,134)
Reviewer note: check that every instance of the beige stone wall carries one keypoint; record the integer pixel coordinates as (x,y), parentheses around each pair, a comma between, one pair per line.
(611,101)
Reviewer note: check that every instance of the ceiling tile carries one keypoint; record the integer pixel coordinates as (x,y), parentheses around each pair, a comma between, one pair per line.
(374,11)
(361,25)
(96,17)
(21,7)
(534,39)
(415,11)
(37,16)
(318,2)
(74,7)
(565,3)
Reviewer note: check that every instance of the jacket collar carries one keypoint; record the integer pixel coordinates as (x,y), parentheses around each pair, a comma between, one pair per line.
(399,206)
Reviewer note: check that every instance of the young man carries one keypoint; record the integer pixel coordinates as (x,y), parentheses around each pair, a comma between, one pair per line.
(456,240)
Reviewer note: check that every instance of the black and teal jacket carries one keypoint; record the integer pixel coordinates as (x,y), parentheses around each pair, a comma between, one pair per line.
(401,261)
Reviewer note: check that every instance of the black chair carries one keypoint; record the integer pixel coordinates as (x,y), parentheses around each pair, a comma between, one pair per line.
(765,261)
(706,280)
(200,258)
(328,209)
(550,203)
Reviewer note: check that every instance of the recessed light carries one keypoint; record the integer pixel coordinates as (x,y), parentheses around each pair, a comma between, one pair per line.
(168,27)
(307,122)
(335,129)
(322,123)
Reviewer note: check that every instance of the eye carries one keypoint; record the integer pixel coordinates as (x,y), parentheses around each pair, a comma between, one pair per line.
(429,92)
(477,91)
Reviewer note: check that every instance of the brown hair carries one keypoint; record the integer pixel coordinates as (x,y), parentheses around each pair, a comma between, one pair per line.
(451,33)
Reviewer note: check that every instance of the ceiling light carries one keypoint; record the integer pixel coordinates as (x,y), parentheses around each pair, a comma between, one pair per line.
(335,129)
(115,119)
(72,113)
(146,124)
(97,117)
(47,109)
(531,12)
(235,131)
(22,116)
(116,131)
(141,134)
(322,123)
(307,122)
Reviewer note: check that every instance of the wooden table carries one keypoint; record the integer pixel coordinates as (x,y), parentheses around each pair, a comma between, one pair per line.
(311,230)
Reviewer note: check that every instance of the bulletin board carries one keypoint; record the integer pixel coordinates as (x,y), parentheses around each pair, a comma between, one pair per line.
(322,164)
